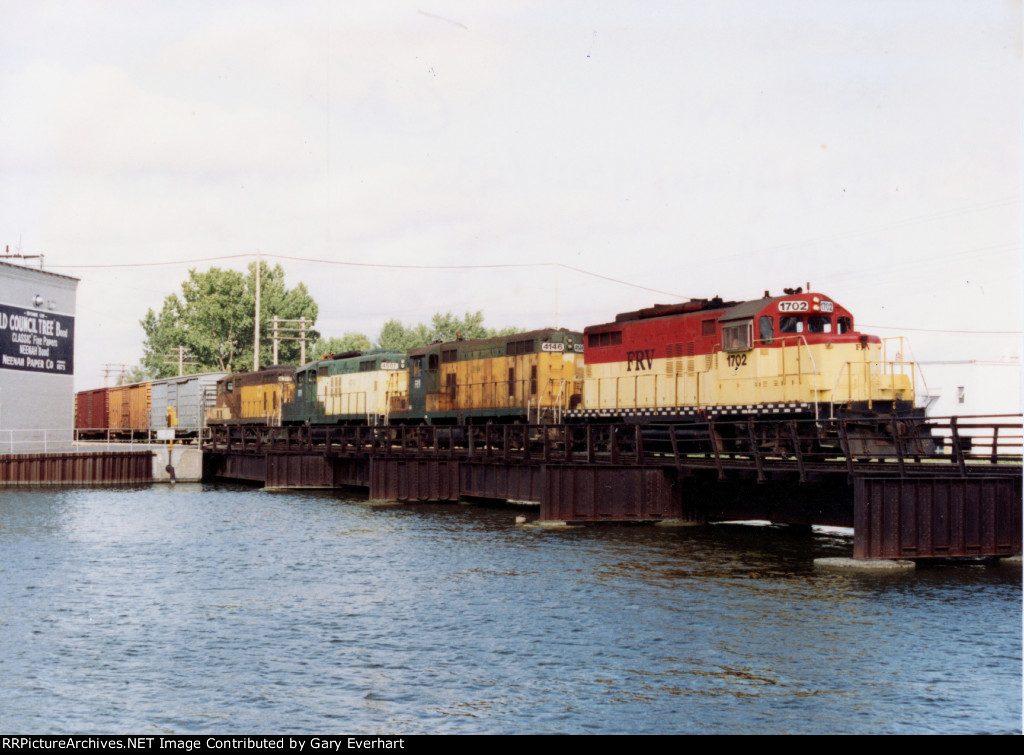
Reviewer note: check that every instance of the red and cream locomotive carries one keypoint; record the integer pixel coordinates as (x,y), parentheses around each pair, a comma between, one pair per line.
(796,356)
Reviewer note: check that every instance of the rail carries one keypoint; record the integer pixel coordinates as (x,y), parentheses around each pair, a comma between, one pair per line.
(958,446)
(139,435)
(30,441)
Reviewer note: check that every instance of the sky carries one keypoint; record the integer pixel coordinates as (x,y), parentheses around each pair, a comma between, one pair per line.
(549,163)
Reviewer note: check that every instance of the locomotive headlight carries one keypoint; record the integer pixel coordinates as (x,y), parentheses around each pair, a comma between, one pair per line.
(815,299)
(815,307)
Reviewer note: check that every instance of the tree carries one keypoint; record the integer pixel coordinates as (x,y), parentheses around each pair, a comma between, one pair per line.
(336,345)
(136,374)
(443,327)
(214,320)
(396,336)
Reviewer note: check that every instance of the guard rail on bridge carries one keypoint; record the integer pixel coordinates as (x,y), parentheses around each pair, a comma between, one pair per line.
(955,446)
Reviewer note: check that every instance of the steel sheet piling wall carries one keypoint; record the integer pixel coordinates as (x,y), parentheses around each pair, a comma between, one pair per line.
(93,468)
(937,517)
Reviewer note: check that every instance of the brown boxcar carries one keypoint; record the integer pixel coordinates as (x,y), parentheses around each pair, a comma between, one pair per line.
(91,412)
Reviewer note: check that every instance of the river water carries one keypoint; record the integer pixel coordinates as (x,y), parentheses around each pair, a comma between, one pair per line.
(226,610)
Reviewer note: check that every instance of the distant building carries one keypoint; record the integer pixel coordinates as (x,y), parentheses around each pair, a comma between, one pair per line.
(37,359)
(973,387)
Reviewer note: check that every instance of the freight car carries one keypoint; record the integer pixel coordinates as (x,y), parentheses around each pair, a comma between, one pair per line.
(253,398)
(138,409)
(92,413)
(189,397)
(525,377)
(128,409)
(354,387)
(792,356)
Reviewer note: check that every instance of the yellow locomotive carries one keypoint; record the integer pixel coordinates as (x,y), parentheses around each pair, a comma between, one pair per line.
(253,398)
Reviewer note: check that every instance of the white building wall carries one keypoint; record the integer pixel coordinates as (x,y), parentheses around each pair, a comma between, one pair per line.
(974,387)
(37,316)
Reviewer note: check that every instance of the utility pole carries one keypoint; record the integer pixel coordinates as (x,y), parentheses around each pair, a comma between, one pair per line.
(296,330)
(114,369)
(256,329)
(179,355)
(274,338)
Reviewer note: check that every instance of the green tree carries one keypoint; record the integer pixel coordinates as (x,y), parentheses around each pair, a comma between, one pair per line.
(443,327)
(338,345)
(213,319)
(136,374)
(395,335)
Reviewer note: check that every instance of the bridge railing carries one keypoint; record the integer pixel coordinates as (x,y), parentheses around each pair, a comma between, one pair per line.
(951,445)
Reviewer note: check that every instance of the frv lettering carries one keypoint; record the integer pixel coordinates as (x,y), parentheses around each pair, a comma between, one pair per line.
(641,359)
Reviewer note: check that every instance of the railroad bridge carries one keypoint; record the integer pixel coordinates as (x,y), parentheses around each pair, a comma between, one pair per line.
(949,489)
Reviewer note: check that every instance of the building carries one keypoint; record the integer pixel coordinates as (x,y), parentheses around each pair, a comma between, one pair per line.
(37,359)
(973,387)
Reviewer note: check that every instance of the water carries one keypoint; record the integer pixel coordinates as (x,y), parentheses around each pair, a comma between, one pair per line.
(192,609)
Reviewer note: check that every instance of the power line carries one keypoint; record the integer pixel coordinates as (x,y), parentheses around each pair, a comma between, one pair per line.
(379,265)
(963,332)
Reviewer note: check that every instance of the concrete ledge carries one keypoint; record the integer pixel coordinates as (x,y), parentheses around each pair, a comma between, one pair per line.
(678,523)
(187,462)
(1011,560)
(864,564)
(543,524)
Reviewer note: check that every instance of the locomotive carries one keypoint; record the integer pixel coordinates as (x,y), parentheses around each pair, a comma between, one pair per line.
(253,398)
(525,377)
(794,356)
(354,387)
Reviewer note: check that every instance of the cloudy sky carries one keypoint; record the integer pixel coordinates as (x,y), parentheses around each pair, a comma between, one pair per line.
(612,154)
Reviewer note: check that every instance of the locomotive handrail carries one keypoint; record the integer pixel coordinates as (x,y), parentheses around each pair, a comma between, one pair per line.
(801,338)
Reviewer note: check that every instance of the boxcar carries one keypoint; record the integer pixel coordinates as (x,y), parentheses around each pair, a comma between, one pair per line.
(92,416)
(191,396)
(128,409)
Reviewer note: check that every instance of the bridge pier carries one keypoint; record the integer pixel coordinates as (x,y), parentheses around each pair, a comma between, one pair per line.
(937,517)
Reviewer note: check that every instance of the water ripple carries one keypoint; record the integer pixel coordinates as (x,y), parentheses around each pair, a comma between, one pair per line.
(230,610)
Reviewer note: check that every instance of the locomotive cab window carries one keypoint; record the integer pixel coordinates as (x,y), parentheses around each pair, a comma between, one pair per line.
(432,362)
(416,366)
(766,330)
(791,325)
(816,324)
(843,325)
(737,337)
